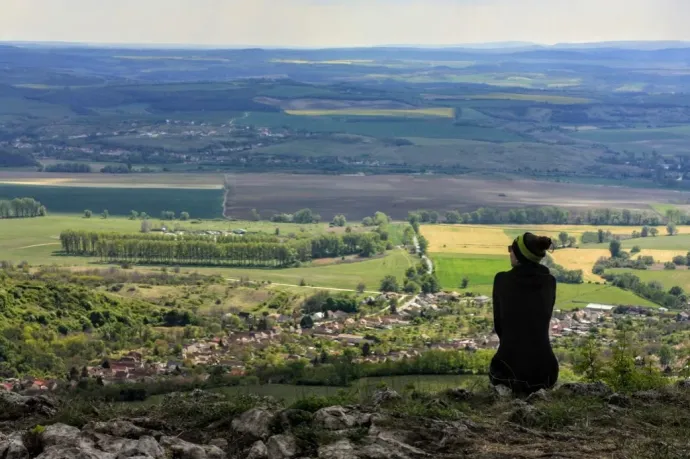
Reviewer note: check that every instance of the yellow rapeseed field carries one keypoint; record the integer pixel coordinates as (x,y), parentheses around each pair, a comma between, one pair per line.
(470,239)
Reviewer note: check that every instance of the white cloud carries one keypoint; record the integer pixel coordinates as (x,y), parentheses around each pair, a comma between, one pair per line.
(342,23)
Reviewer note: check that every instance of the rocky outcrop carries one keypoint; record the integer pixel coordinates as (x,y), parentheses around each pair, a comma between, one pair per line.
(15,406)
(255,423)
(595,389)
(109,440)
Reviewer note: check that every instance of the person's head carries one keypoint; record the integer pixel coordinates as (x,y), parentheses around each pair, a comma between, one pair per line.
(529,248)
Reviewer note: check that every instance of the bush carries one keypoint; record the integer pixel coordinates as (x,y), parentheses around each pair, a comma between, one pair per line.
(669,266)
(680,260)
(635,249)
(389,284)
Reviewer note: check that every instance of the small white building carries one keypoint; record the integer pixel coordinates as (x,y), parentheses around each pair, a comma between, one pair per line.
(600,307)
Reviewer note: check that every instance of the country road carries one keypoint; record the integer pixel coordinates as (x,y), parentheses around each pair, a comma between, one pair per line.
(312,287)
(427,260)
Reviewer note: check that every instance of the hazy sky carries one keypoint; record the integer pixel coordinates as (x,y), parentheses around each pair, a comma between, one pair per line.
(324,23)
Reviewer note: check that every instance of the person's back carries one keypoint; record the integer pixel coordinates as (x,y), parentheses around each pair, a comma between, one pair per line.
(523,303)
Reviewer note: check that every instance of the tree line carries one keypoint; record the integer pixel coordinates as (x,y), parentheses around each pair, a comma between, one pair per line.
(21,208)
(248,250)
(653,291)
(76,168)
(545,215)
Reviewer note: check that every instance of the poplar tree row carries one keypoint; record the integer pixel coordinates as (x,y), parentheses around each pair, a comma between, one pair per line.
(21,208)
(248,250)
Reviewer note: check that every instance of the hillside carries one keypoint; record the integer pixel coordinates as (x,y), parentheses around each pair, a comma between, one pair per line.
(576,421)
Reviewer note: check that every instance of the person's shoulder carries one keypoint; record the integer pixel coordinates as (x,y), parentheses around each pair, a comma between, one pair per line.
(500,276)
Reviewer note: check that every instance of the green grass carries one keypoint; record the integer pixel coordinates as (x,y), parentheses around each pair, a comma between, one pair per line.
(667,278)
(339,276)
(441,112)
(633,135)
(479,269)
(383,127)
(662,208)
(661,242)
(35,239)
(120,201)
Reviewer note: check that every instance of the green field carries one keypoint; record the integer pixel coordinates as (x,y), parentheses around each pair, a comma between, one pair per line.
(384,127)
(551,99)
(633,135)
(481,269)
(339,276)
(200,203)
(667,278)
(440,112)
(661,242)
(36,240)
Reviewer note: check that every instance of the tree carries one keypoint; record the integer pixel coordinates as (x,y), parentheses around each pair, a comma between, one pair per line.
(635,249)
(105,214)
(381,219)
(453,217)
(645,231)
(133,215)
(465,282)
(680,260)
(671,229)
(339,221)
(73,374)
(361,288)
(423,244)
(255,215)
(145,226)
(572,241)
(665,355)
(563,237)
(676,291)
(615,248)
(368,221)
(167,215)
(653,231)
(411,287)
(389,284)
(306,322)
(305,216)
(184,216)
(366,350)
(87,213)
(669,266)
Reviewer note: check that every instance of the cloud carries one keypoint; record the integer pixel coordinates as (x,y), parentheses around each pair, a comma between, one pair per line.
(340,22)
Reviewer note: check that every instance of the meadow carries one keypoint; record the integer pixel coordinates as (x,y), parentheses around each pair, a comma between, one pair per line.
(199,203)
(440,112)
(668,279)
(550,99)
(478,252)
(36,241)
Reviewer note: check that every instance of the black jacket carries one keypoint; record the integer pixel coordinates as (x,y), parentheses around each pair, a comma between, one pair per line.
(523,303)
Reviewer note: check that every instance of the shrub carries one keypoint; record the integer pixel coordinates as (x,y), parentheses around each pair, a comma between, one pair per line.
(669,265)
(635,249)
(679,260)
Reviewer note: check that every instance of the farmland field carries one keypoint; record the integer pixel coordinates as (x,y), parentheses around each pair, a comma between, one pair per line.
(403,113)
(680,242)
(478,252)
(668,279)
(551,99)
(200,203)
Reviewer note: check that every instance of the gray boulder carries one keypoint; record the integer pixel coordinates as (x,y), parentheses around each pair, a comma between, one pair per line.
(501,391)
(69,452)
(384,396)
(342,449)
(540,395)
(595,389)
(180,449)
(13,448)
(282,447)
(258,451)
(63,435)
(15,406)
(122,429)
(255,423)
(340,418)
(144,447)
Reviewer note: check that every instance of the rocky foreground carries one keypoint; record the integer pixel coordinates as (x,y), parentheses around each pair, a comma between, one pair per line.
(576,421)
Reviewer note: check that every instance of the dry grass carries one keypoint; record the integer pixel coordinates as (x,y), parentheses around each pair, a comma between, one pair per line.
(583,259)
(469,239)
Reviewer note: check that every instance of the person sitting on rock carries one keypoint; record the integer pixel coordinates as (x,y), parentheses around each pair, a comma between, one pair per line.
(523,301)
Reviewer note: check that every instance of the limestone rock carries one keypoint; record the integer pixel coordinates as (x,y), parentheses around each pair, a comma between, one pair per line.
(13,448)
(340,418)
(61,435)
(221,443)
(384,396)
(502,391)
(540,395)
(595,389)
(69,452)
(342,449)
(255,423)
(282,447)
(123,429)
(181,449)
(144,447)
(258,451)
(15,406)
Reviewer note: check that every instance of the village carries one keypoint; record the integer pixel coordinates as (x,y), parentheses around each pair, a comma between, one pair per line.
(306,337)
